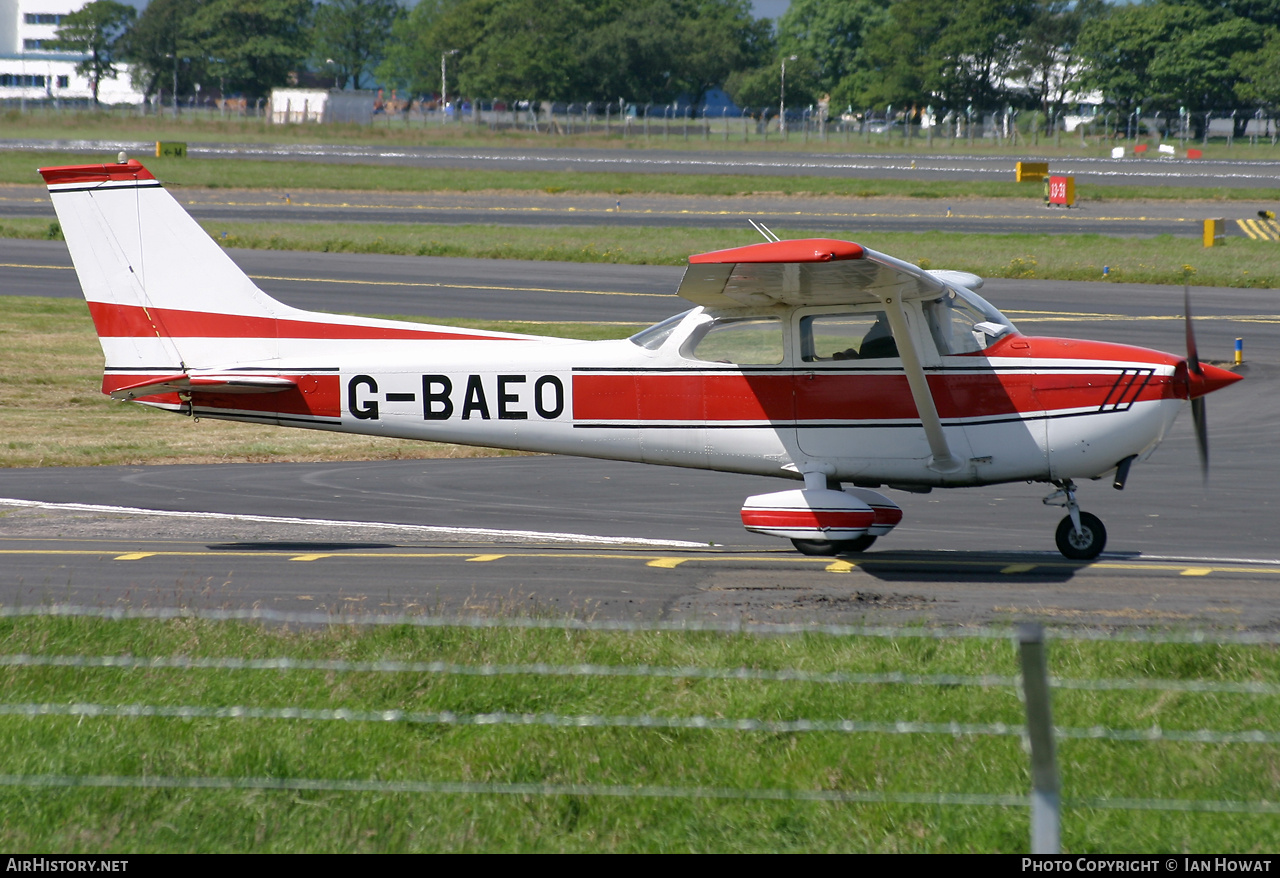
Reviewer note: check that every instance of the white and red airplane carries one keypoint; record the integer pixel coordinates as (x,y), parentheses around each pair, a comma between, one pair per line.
(814,360)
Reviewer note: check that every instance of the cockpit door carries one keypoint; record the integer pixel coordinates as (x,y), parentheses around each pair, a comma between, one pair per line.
(852,399)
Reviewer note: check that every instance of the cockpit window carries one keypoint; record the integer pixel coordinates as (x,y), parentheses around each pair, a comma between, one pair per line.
(860,335)
(655,336)
(963,323)
(748,341)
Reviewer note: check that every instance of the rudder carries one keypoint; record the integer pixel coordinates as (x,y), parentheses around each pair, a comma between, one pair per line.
(161,292)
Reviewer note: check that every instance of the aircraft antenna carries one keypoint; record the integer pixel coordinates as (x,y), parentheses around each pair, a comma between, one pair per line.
(763,230)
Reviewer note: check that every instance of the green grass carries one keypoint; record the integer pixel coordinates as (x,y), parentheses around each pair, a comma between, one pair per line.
(128,125)
(138,821)
(52,411)
(291,176)
(1241,262)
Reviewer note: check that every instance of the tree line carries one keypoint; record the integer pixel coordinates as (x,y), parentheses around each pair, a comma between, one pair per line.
(1175,56)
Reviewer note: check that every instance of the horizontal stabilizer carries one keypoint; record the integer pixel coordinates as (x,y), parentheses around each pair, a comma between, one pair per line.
(206,384)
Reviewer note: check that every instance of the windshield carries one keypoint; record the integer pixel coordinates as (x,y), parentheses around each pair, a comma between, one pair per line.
(655,336)
(963,322)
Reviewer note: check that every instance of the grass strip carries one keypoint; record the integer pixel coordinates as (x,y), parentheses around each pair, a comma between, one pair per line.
(53,412)
(1164,259)
(1160,260)
(289,175)
(119,820)
(210,126)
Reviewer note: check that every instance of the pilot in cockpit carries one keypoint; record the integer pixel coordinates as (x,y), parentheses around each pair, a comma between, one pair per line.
(876,342)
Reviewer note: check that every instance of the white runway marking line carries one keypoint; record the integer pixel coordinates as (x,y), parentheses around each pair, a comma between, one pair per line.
(520,535)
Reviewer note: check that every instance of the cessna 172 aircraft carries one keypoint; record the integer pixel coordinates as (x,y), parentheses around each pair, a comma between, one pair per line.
(815,360)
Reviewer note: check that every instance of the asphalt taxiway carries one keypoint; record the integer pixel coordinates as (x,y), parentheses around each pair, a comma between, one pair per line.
(562,534)
(828,215)
(944,160)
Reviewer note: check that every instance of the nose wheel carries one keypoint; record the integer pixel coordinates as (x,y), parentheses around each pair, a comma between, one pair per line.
(1084,544)
(1081,536)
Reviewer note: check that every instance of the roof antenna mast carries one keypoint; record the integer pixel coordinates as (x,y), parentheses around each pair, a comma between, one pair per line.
(764,231)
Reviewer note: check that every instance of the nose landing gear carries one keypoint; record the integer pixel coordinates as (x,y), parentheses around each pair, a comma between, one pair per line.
(1081,536)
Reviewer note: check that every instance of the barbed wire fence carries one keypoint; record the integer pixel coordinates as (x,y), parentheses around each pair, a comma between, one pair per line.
(1034,685)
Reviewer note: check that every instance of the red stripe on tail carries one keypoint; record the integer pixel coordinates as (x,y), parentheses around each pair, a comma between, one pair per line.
(132,321)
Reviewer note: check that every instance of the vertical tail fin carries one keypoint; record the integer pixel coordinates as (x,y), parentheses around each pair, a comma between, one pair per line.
(176,315)
(160,290)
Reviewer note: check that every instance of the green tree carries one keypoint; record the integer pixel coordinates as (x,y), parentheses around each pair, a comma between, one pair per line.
(715,38)
(577,50)
(628,53)
(95,31)
(351,36)
(1258,74)
(1264,12)
(1196,69)
(252,45)
(959,52)
(978,50)
(408,57)
(1168,56)
(760,88)
(1046,58)
(828,35)
(899,62)
(160,47)
(505,48)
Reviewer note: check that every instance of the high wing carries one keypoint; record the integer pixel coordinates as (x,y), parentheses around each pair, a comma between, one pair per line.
(823,271)
(811,271)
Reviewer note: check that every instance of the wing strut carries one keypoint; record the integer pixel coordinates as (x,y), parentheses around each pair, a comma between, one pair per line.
(943,461)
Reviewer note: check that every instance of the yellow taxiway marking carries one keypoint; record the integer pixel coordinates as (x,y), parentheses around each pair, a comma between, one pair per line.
(671,561)
(1260,229)
(1018,568)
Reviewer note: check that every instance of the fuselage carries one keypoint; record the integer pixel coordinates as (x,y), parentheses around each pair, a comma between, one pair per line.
(768,391)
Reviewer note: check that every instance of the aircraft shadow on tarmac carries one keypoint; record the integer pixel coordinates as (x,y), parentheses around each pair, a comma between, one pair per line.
(971,566)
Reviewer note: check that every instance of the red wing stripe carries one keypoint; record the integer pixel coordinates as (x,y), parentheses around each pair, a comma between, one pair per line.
(131,321)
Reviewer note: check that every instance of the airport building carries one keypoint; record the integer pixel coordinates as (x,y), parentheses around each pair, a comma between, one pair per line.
(30,71)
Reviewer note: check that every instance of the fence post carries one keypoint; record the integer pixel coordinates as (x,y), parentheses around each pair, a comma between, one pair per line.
(1046,798)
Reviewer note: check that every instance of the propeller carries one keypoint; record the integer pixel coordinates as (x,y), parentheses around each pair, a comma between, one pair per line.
(1201,379)
(1195,374)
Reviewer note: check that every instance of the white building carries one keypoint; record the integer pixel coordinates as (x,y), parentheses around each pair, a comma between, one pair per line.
(30,71)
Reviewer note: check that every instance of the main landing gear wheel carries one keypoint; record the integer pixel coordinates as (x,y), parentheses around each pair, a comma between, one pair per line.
(1083,546)
(833,547)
